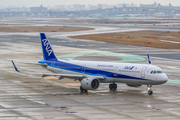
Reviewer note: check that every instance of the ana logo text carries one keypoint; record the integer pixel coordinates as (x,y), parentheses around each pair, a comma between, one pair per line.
(129,67)
(47,46)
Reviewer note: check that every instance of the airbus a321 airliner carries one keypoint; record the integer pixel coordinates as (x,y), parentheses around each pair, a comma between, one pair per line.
(92,73)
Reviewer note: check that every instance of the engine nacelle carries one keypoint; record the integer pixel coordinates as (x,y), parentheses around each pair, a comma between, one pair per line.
(134,85)
(90,83)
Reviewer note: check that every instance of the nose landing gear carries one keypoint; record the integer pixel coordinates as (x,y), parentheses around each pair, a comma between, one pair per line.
(150,92)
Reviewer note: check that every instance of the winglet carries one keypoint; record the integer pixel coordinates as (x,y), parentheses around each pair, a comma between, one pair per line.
(15,66)
(149,60)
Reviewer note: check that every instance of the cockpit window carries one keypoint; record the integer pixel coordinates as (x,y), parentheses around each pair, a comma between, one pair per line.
(159,71)
(155,72)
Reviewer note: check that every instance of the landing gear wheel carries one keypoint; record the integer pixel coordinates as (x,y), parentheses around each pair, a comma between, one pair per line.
(83,90)
(110,86)
(150,92)
(113,86)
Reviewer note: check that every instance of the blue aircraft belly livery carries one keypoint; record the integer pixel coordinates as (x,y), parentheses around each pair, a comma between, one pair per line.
(92,73)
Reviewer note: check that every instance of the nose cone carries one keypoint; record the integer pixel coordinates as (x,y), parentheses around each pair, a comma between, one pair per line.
(163,78)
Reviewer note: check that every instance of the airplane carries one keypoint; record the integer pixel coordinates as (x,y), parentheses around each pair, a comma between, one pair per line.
(91,73)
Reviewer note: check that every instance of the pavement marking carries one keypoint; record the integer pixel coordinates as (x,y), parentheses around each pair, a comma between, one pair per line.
(170,41)
(171,70)
(173,81)
(125,57)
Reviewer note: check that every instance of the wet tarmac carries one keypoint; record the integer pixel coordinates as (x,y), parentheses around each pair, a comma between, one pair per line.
(31,97)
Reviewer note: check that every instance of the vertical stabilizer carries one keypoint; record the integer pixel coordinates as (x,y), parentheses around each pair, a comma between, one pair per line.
(47,50)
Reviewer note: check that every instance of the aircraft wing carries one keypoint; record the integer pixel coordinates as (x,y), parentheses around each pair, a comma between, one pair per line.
(55,74)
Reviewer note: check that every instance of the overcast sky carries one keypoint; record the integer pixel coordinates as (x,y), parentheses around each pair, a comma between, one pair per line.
(29,3)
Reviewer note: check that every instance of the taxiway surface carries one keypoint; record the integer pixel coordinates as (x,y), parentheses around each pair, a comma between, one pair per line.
(31,97)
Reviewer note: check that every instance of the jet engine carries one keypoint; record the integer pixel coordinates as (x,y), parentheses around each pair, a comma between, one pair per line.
(90,83)
(134,85)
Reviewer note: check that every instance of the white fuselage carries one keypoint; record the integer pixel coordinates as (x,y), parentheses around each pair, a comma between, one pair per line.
(129,73)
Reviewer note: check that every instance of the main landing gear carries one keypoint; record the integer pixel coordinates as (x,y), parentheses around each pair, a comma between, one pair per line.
(113,86)
(83,90)
(150,92)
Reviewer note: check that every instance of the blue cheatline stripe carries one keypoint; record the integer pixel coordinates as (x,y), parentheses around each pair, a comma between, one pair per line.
(89,71)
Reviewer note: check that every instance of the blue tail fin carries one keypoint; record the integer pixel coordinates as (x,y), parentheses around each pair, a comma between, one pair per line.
(48,53)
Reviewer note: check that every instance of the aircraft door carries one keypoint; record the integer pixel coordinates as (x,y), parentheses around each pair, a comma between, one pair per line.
(115,71)
(143,72)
